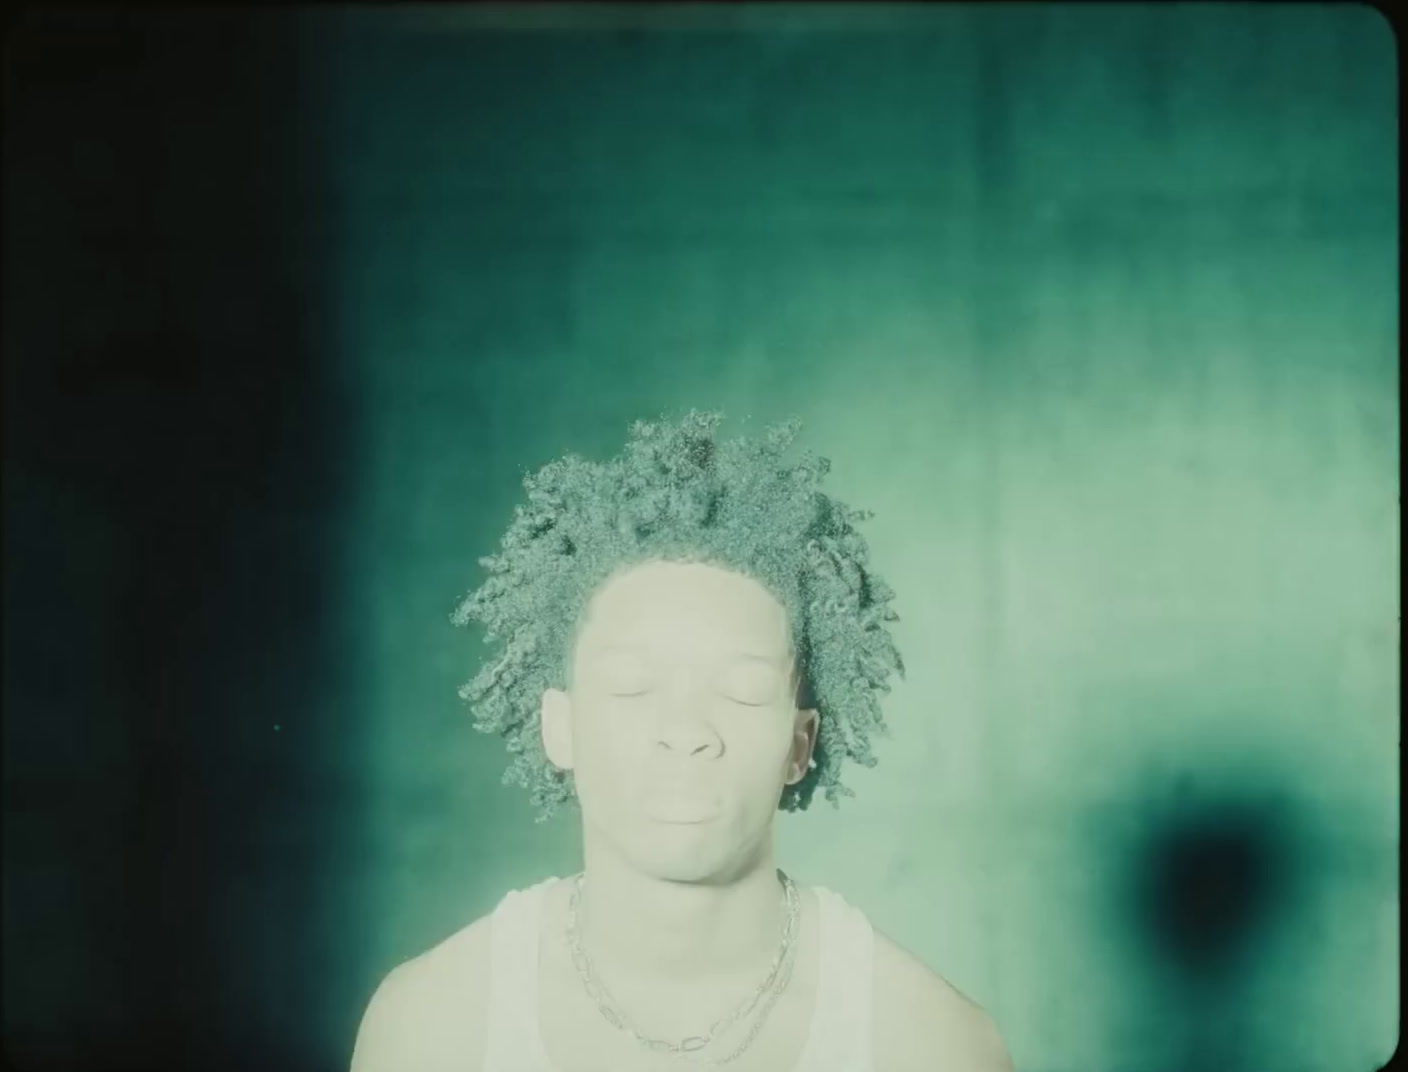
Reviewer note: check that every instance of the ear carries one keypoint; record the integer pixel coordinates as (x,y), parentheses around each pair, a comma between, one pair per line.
(804,731)
(556,724)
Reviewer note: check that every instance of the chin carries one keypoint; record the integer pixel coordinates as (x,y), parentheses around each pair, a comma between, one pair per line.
(704,858)
(684,853)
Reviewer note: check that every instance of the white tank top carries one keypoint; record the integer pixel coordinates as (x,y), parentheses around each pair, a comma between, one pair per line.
(841,1038)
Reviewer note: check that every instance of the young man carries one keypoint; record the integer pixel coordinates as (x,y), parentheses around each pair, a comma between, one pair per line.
(694,640)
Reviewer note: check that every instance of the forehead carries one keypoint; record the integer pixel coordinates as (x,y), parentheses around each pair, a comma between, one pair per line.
(688,606)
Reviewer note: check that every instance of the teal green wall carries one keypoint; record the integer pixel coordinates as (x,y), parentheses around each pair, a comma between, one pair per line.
(1095,307)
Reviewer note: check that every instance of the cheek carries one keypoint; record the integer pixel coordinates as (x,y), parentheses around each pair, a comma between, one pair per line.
(610,755)
(603,741)
(761,750)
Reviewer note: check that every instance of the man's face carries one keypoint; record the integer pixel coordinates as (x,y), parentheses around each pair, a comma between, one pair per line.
(680,724)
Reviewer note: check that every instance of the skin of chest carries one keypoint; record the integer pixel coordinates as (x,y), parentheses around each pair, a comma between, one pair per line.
(578,1038)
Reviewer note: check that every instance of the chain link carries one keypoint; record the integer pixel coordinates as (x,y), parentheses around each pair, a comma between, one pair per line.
(777,979)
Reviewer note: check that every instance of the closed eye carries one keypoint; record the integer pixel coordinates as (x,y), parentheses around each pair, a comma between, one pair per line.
(731,699)
(745,703)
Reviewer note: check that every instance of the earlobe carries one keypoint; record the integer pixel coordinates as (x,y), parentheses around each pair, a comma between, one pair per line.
(804,741)
(556,724)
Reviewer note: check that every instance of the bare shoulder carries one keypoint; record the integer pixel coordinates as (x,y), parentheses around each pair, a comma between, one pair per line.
(924,1023)
(429,1013)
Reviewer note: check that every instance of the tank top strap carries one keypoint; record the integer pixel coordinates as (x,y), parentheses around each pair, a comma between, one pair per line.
(843,1027)
(512,1040)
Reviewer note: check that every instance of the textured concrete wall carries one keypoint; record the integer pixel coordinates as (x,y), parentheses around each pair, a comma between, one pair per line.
(1096,308)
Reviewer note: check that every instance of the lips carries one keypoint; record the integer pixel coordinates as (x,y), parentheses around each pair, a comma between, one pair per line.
(676,809)
(683,818)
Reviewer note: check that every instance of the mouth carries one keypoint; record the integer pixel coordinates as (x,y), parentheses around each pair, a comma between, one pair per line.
(683,813)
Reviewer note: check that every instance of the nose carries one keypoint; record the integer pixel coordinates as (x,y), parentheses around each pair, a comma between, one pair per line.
(674,743)
(682,730)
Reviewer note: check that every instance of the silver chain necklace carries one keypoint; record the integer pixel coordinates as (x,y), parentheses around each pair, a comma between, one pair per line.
(773,985)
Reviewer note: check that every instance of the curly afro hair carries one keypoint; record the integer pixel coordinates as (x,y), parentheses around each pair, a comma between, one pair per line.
(678,495)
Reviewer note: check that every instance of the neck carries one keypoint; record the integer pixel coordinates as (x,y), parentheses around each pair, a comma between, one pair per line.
(661,932)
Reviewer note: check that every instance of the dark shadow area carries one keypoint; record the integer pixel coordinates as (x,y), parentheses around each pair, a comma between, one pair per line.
(176,459)
(1216,877)
(1210,884)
